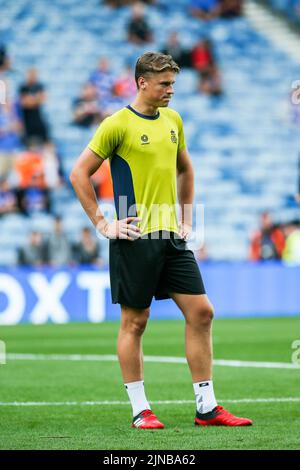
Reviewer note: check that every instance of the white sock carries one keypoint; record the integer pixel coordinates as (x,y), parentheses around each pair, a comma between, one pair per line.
(137,397)
(205,396)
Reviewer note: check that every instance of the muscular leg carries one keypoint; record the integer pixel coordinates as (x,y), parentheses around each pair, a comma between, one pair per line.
(133,324)
(198,313)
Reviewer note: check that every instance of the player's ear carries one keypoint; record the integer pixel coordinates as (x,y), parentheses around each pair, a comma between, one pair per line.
(142,83)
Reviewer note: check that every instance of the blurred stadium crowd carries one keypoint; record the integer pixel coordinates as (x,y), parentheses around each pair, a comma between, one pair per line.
(42,133)
(290,8)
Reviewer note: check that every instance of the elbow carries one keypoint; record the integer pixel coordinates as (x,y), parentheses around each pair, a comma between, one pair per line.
(187,171)
(73,176)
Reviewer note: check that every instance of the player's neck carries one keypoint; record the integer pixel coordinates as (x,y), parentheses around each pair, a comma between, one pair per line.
(144,108)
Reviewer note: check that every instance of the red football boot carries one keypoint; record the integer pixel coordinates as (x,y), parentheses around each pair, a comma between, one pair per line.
(220,417)
(146,420)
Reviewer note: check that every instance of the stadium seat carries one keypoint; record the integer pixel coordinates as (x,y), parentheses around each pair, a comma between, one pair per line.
(244,154)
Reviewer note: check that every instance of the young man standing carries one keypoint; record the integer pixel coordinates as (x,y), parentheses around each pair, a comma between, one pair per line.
(148,255)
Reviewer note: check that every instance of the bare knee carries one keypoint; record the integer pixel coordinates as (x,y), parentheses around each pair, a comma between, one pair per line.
(207,314)
(202,316)
(134,321)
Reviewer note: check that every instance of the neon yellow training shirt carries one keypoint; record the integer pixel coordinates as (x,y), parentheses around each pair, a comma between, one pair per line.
(143,151)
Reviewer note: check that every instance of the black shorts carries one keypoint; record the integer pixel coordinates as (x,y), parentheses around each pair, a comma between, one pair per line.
(150,267)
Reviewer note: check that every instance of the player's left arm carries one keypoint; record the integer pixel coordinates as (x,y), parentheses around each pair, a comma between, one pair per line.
(185,188)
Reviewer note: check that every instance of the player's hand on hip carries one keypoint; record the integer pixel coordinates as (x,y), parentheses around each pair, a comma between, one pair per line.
(123,229)
(185,230)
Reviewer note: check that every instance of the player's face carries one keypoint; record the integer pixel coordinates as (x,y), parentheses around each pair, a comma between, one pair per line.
(159,88)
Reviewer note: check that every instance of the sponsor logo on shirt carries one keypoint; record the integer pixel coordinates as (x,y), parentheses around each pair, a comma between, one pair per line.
(144,139)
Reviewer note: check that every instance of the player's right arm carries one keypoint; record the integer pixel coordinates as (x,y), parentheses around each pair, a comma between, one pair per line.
(86,165)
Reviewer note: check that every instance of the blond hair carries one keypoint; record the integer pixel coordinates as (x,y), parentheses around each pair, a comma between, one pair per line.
(154,62)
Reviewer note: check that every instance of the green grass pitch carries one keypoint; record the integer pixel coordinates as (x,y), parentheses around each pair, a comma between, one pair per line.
(96,426)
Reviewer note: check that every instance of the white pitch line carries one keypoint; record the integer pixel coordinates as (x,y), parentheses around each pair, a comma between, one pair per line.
(154,359)
(160,402)
(264,365)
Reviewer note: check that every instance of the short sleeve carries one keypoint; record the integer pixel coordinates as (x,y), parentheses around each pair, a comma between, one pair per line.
(107,138)
(181,137)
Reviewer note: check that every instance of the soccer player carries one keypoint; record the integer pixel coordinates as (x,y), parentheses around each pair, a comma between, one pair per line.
(145,145)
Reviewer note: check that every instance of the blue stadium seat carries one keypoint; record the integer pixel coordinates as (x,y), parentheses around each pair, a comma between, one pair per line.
(244,154)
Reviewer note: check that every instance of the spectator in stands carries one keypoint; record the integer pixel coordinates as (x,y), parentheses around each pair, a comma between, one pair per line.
(86,109)
(125,86)
(87,251)
(114,3)
(173,47)
(34,252)
(36,171)
(291,252)
(4,59)
(35,199)
(103,79)
(203,61)
(32,97)
(231,8)
(10,130)
(28,164)
(32,191)
(8,201)
(268,242)
(103,183)
(205,9)
(138,29)
(58,247)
